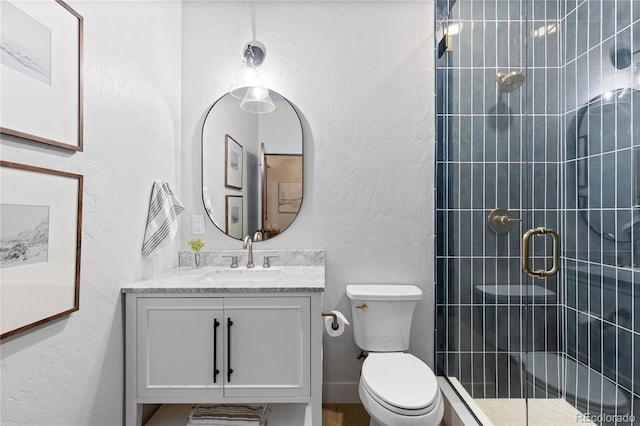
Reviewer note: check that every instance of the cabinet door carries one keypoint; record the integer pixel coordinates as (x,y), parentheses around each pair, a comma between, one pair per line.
(176,347)
(267,347)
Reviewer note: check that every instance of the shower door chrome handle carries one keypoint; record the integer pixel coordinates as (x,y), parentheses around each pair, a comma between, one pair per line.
(540,273)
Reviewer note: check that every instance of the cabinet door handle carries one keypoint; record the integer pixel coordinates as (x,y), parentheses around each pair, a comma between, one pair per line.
(229,369)
(216,324)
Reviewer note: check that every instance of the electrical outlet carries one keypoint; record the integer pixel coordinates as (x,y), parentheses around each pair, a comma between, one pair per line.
(197,224)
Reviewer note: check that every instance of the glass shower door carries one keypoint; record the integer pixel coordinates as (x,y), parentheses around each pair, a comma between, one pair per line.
(538,108)
(542,364)
(498,175)
(579,171)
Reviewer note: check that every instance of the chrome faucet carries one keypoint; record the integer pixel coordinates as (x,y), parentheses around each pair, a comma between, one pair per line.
(247,243)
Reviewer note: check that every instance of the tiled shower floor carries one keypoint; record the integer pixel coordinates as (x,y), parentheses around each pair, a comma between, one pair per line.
(542,412)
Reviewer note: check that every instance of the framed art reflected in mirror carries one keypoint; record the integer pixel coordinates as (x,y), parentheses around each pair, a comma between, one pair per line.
(289,197)
(233,163)
(234,214)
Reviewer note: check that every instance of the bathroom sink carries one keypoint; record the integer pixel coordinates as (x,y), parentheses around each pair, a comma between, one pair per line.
(241,275)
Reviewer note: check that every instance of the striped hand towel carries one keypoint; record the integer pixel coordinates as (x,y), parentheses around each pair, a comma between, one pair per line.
(162,221)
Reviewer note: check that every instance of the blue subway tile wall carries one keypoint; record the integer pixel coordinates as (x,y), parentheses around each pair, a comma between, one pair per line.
(483,145)
(561,152)
(601,236)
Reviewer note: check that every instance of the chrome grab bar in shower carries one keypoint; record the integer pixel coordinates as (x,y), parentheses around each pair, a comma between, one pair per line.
(540,273)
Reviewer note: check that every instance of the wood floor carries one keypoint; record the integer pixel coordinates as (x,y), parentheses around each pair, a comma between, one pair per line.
(344,415)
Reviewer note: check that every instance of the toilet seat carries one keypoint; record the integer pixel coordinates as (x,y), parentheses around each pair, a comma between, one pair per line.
(401,383)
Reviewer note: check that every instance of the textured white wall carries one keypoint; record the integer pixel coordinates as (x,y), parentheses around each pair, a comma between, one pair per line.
(70,372)
(361,74)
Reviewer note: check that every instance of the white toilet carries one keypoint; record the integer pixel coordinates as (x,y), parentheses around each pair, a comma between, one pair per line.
(396,388)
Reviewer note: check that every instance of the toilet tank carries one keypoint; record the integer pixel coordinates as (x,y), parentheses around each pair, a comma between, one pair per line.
(385,324)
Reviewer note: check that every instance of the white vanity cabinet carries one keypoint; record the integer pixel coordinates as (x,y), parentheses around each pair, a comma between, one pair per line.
(176,347)
(214,335)
(223,347)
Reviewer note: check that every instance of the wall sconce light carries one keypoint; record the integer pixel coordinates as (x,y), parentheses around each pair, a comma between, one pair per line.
(247,84)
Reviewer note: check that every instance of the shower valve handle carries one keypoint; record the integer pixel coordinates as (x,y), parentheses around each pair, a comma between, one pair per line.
(505,220)
(500,221)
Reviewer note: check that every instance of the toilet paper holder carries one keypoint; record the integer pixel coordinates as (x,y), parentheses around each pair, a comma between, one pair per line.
(334,323)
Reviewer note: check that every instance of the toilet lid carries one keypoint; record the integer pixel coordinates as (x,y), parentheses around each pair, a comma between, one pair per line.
(401,382)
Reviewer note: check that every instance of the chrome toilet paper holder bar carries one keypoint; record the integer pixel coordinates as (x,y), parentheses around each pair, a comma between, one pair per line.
(334,323)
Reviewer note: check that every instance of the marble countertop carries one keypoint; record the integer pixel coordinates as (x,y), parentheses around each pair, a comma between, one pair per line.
(223,279)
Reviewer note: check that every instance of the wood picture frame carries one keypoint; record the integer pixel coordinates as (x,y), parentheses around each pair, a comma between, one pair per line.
(233,163)
(41,77)
(40,236)
(234,214)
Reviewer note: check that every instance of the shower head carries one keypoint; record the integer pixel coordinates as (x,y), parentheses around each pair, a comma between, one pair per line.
(510,82)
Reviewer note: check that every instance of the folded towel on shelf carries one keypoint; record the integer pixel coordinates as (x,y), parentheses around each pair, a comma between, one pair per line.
(162,221)
(229,415)
(226,422)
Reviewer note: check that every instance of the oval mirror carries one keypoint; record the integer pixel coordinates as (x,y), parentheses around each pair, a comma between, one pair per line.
(252,167)
(607,169)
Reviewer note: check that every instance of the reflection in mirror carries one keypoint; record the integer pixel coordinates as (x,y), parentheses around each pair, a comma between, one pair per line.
(252,167)
(608,166)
